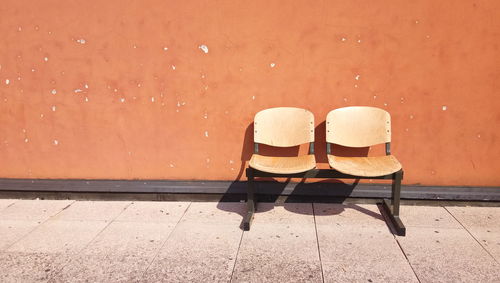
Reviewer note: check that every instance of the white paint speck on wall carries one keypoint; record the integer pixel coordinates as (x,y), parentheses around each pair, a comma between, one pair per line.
(357,77)
(165,48)
(46,59)
(206,134)
(7,81)
(272,65)
(54,108)
(173,67)
(56,142)
(53,91)
(444,108)
(204,48)
(81,41)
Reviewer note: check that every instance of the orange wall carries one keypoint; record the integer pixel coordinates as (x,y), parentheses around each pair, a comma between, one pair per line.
(123,111)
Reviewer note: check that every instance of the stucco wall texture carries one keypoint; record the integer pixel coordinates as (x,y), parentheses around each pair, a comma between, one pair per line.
(168,89)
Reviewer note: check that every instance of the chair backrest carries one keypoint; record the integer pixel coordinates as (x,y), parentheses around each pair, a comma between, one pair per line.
(284,126)
(358,126)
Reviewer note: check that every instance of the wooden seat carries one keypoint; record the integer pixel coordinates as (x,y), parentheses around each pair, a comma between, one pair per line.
(365,166)
(283,165)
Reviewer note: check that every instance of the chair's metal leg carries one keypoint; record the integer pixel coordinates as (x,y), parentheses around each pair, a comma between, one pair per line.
(250,201)
(392,208)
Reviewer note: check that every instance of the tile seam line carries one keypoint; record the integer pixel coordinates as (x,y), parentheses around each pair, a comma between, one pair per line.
(407,260)
(165,242)
(237,254)
(78,252)
(317,244)
(391,229)
(465,228)
(37,226)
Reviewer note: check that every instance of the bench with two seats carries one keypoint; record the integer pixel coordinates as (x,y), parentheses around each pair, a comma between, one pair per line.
(355,126)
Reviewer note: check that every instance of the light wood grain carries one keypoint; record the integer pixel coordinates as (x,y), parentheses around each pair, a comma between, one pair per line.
(365,166)
(284,126)
(358,126)
(283,165)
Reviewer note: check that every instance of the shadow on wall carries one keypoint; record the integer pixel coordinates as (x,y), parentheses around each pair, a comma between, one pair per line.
(270,189)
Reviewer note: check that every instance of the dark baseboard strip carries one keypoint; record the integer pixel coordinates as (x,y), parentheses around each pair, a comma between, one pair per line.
(228,188)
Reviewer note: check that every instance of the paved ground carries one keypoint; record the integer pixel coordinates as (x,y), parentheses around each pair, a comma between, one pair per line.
(107,241)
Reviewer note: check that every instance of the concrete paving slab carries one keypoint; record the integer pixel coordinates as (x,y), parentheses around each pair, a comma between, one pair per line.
(13,230)
(357,246)
(30,267)
(284,214)
(130,237)
(448,255)
(476,216)
(93,210)
(427,216)
(121,253)
(483,223)
(230,213)
(202,247)
(39,210)
(6,202)
(103,268)
(154,211)
(489,238)
(281,246)
(59,236)
(352,214)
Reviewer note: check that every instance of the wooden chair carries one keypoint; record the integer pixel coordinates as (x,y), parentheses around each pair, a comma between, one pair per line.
(279,127)
(361,126)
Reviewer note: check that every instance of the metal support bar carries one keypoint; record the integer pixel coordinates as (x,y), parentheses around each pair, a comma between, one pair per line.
(316,173)
(250,200)
(387,148)
(392,208)
(256,148)
(311,148)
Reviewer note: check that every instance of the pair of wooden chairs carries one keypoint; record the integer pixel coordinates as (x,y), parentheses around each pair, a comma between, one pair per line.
(356,126)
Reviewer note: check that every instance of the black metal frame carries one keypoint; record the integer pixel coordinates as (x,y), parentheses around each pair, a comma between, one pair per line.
(391,207)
